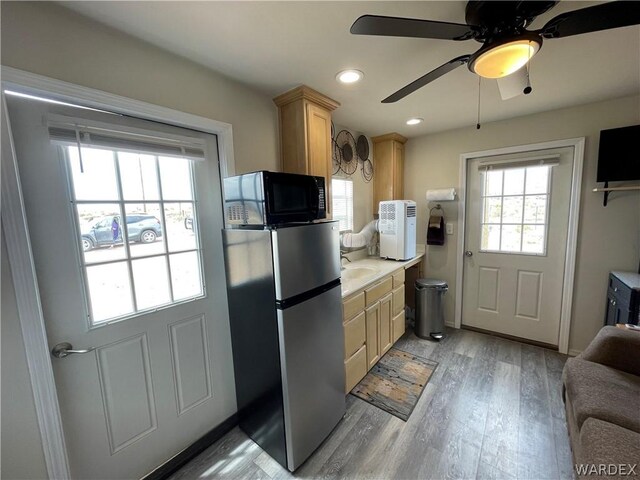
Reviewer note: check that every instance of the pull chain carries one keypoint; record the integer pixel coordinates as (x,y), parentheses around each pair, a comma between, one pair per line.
(479,82)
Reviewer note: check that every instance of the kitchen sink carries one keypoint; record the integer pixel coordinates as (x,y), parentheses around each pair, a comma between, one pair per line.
(357,272)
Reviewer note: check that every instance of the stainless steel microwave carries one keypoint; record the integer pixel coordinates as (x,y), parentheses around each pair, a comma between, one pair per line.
(271,198)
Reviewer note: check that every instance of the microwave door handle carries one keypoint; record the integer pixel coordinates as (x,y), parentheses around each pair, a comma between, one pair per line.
(315,200)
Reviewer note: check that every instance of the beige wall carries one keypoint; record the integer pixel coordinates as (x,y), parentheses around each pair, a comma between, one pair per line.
(22,455)
(49,40)
(608,238)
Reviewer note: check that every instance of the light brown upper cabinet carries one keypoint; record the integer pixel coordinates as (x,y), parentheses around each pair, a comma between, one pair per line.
(388,157)
(305,134)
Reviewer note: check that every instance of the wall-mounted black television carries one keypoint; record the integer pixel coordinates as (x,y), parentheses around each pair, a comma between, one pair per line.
(619,154)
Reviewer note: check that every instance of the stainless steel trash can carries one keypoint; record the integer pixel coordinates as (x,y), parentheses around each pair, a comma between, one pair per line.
(430,308)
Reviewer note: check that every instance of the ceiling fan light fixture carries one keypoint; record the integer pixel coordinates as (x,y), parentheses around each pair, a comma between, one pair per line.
(349,76)
(504,58)
(415,121)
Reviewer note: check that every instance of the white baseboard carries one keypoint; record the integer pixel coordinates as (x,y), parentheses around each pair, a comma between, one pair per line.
(573,352)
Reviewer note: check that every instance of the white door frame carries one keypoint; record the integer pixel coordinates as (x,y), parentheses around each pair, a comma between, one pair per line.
(19,247)
(572,236)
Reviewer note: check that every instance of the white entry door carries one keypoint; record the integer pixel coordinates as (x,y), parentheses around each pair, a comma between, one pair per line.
(124,218)
(517,215)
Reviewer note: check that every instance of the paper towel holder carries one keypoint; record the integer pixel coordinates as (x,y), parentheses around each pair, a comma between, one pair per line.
(442,195)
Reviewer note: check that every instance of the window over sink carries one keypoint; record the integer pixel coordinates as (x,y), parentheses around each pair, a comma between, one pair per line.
(342,202)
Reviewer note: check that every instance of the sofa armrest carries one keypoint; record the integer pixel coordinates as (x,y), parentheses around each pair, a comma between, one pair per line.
(615,348)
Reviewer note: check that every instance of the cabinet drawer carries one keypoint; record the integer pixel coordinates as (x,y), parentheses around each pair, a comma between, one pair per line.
(355,368)
(619,290)
(354,335)
(398,326)
(376,292)
(398,300)
(398,278)
(352,306)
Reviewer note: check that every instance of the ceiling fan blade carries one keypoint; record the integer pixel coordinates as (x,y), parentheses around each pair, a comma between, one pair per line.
(428,78)
(592,19)
(411,27)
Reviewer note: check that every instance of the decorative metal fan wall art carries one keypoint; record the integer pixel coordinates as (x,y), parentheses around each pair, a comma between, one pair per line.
(347,153)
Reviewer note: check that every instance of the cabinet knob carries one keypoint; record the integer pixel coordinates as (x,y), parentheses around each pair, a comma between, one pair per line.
(615,289)
(613,302)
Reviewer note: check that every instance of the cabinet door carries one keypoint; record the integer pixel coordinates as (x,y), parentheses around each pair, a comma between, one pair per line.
(319,147)
(372,315)
(385,323)
(398,171)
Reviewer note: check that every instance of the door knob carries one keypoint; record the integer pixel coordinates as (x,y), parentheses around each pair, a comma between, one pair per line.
(468,253)
(65,349)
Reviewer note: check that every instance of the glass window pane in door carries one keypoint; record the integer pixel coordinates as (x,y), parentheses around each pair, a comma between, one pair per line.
(537,180)
(109,291)
(185,275)
(514,181)
(512,210)
(490,237)
(144,228)
(138,176)
(493,183)
(492,209)
(535,209)
(175,174)
(181,226)
(511,236)
(95,177)
(151,281)
(100,232)
(533,238)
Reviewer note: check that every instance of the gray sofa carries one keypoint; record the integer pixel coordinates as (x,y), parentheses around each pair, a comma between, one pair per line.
(602,401)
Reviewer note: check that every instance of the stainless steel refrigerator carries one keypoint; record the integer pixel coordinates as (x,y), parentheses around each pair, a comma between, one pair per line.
(285,309)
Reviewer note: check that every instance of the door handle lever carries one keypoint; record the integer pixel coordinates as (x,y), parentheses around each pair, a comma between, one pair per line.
(65,349)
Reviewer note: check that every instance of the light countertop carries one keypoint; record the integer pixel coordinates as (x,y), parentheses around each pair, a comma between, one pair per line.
(371,269)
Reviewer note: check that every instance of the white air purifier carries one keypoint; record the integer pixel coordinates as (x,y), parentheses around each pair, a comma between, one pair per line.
(397,227)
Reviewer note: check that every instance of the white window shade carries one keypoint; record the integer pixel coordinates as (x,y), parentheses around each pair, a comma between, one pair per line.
(539,161)
(86,133)
(342,202)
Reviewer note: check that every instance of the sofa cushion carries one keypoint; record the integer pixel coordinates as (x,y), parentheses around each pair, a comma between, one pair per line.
(598,391)
(615,448)
(615,348)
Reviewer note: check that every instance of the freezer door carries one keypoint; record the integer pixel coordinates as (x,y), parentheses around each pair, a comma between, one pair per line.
(305,257)
(311,357)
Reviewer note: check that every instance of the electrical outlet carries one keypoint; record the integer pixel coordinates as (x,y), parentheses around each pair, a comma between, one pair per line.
(449,228)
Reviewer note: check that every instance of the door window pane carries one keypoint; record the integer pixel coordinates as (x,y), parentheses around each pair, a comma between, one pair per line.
(512,210)
(139,176)
(492,209)
(94,178)
(151,281)
(176,178)
(100,232)
(491,237)
(181,226)
(109,290)
(514,181)
(185,275)
(144,229)
(515,210)
(511,238)
(493,186)
(537,180)
(533,238)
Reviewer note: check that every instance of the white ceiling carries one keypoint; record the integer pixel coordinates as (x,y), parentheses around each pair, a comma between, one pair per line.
(275,46)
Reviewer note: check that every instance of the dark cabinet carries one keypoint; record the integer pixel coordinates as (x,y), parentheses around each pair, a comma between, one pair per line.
(623,298)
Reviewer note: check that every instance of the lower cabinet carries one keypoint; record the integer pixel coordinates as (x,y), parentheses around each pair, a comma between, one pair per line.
(373,322)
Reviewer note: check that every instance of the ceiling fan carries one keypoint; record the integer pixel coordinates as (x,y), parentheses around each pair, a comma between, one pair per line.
(501,27)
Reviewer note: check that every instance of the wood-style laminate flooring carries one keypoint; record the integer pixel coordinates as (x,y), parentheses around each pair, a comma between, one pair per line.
(492,410)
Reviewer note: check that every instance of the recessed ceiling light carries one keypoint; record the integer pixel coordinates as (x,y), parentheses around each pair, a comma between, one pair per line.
(349,76)
(415,121)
